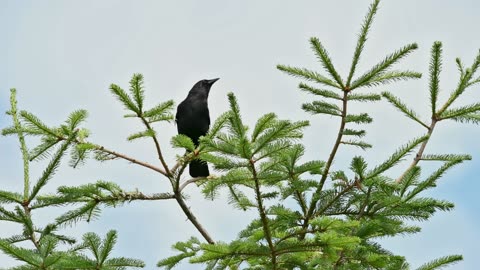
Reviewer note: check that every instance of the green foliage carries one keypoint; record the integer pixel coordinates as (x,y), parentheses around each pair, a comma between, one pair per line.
(403,108)
(441,262)
(134,102)
(435,68)
(310,214)
(45,251)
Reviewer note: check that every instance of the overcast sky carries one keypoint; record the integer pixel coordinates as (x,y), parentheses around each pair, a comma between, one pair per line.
(63,55)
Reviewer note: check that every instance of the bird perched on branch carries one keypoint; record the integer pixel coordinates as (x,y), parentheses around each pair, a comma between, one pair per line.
(193,120)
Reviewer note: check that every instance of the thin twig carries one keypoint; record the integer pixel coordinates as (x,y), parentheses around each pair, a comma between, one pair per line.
(190,181)
(157,146)
(263,216)
(419,155)
(330,203)
(125,157)
(315,197)
(31,236)
(193,219)
(136,196)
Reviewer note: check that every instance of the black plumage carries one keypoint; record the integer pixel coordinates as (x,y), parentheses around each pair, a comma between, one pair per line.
(193,120)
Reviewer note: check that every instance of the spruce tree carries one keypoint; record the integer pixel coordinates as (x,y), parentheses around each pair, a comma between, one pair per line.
(334,218)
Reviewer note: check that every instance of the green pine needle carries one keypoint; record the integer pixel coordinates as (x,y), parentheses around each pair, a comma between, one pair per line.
(321,107)
(403,108)
(363,97)
(362,38)
(149,133)
(363,118)
(380,68)
(352,132)
(435,69)
(324,58)
(51,168)
(183,141)
(319,92)
(441,262)
(23,147)
(358,166)
(235,119)
(137,90)
(308,75)
(360,144)
(432,179)
(392,76)
(468,118)
(461,111)
(76,118)
(124,98)
(396,157)
(447,157)
(161,112)
(263,123)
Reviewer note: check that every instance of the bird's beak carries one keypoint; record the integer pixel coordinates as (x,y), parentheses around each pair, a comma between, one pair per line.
(212,81)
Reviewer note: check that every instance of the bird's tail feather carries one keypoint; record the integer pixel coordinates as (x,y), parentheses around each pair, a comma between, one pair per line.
(198,168)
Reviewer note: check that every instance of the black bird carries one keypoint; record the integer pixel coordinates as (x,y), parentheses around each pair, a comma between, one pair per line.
(193,120)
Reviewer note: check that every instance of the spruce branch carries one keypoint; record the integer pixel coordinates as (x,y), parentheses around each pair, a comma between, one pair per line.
(362,145)
(464,83)
(193,218)
(398,155)
(128,158)
(137,91)
(149,133)
(419,154)
(392,76)
(435,69)
(431,180)
(353,132)
(321,107)
(35,126)
(324,58)
(263,216)
(459,112)
(364,97)
(10,197)
(363,118)
(124,98)
(192,181)
(157,146)
(308,75)
(23,147)
(460,66)
(441,262)
(319,92)
(315,197)
(136,105)
(380,68)
(51,168)
(362,38)
(447,157)
(467,118)
(403,108)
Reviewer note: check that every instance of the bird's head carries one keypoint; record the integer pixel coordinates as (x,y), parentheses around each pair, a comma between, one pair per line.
(202,87)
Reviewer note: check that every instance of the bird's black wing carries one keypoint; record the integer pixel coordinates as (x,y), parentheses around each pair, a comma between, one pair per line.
(193,118)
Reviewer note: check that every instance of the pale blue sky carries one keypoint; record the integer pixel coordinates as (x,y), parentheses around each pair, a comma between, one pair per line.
(62,55)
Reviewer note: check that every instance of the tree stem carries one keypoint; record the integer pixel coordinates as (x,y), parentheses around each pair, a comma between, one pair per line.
(263,215)
(193,219)
(419,155)
(326,171)
(125,157)
(157,146)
